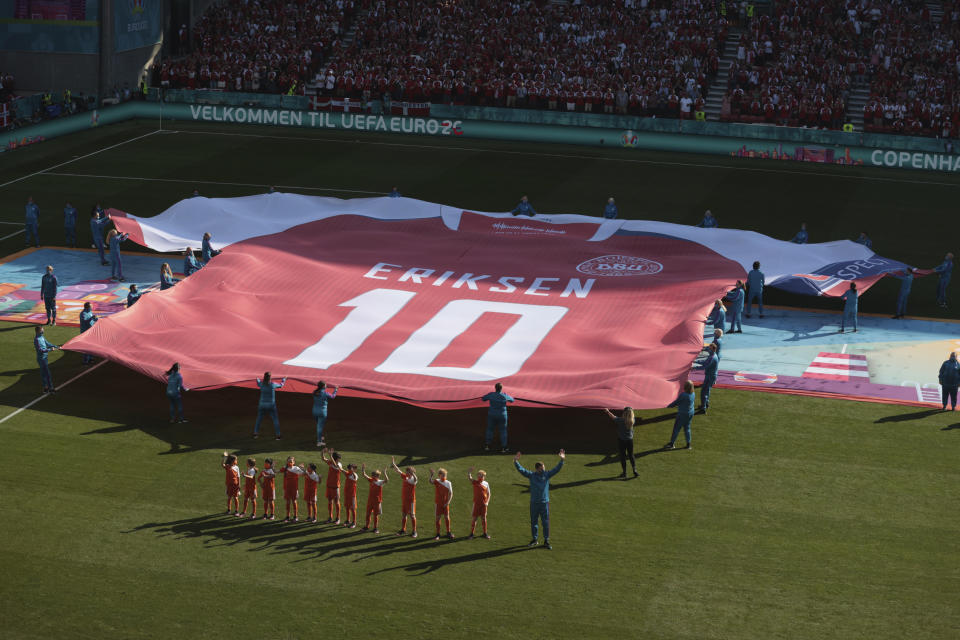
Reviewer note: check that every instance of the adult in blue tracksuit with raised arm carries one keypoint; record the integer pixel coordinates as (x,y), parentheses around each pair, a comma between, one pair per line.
(70,224)
(684,405)
(736,298)
(97,222)
(497,416)
(207,252)
(320,399)
(949,381)
(850,299)
(87,320)
(524,208)
(610,209)
(48,291)
(708,222)
(944,271)
(114,238)
(268,403)
(906,283)
(43,348)
(31,222)
(802,236)
(539,495)
(755,284)
(174,389)
(710,366)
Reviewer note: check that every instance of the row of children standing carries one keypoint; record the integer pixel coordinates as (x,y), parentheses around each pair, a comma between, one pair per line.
(253,479)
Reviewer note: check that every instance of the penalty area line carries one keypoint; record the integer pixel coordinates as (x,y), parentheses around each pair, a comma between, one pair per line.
(213,182)
(36,400)
(92,153)
(572,156)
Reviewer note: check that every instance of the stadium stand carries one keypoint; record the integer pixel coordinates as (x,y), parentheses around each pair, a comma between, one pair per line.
(261,45)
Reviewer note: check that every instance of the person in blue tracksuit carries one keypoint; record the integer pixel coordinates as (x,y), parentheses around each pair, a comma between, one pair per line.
(684,405)
(708,222)
(539,495)
(394,193)
(710,366)
(906,283)
(70,224)
(850,299)
(949,381)
(736,297)
(43,348)
(718,341)
(195,194)
(320,399)
(524,208)
(268,403)
(497,416)
(87,320)
(755,283)
(610,209)
(166,277)
(190,264)
(96,232)
(174,389)
(865,240)
(133,295)
(207,252)
(718,317)
(32,222)
(114,238)
(944,271)
(48,291)
(802,236)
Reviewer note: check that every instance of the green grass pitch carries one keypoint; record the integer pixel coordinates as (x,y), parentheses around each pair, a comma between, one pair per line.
(791,518)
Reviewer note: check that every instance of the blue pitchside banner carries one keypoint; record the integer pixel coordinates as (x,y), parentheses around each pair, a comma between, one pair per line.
(136,24)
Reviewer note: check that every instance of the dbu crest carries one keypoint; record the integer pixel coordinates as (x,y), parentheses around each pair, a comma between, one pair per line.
(619,266)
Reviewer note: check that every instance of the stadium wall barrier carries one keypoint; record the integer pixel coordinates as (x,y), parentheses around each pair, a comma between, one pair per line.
(599,120)
(473,129)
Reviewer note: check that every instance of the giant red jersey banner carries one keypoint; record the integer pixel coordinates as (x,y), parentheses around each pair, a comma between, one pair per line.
(402,299)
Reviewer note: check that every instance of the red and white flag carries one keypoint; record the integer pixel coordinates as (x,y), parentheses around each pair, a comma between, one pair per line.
(840,367)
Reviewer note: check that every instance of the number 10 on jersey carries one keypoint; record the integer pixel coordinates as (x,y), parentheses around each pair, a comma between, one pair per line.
(375,308)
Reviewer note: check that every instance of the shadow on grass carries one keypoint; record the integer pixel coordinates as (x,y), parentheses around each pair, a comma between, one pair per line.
(906,417)
(951,427)
(118,404)
(429,566)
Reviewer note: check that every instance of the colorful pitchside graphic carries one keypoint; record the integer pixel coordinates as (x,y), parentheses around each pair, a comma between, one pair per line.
(410,300)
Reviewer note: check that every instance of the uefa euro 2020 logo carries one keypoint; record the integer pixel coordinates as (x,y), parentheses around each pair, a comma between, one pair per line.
(629,139)
(136,6)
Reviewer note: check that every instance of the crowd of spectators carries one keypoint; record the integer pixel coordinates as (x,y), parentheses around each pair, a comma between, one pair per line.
(645,57)
(271,46)
(915,62)
(795,66)
(796,62)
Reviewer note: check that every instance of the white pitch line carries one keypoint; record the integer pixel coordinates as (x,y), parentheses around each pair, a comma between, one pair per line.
(92,153)
(36,400)
(571,156)
(844,350)
(1,222)
(215,182)
(15,233)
